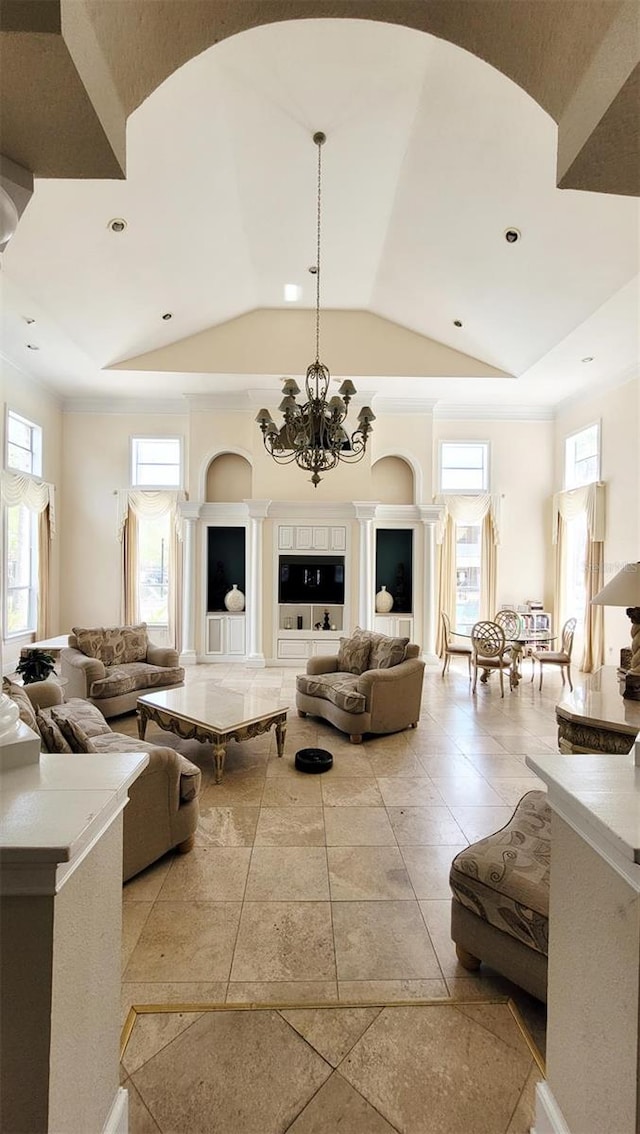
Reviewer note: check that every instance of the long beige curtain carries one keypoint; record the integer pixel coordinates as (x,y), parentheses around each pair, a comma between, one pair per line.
(560,541)
(446,579)
(129,574)
(43,625)
(593,654)
(488,568)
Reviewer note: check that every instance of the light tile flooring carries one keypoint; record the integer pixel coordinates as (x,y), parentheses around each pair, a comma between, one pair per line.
(334,888)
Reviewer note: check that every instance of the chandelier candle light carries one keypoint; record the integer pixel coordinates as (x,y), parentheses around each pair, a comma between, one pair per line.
(313,433)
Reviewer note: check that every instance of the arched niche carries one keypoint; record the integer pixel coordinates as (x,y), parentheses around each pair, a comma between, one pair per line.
(392,481)
(228,479)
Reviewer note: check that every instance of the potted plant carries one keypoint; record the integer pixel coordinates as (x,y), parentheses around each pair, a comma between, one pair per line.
(35,665)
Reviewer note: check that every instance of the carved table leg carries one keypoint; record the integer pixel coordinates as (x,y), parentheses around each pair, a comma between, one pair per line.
(142,723)
(219,752)
(281,734)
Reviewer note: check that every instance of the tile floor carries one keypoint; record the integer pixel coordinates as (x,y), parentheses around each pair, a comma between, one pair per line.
(332,889)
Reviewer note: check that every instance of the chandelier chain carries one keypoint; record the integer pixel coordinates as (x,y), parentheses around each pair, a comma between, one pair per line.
(319,212)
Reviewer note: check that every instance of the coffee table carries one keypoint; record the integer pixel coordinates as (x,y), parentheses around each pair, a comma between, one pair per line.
(207,712)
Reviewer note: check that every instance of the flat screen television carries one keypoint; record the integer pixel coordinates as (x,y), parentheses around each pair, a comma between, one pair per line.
(311,578)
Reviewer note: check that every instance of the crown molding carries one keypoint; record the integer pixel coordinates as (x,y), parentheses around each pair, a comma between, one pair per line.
(175,406)
(310,511)
(403,406)
(226,402)
(447,411)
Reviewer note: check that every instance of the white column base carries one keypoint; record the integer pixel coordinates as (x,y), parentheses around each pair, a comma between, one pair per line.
(188,657)
(431,659)
(256,661)
(549,1117)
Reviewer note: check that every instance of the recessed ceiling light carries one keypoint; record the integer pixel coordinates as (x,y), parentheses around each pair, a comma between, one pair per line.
(32,346)
(457,323)
(512,235)
(589,358)
(167,315)
(117,224)
(28,320)
(313,270)
(292,292)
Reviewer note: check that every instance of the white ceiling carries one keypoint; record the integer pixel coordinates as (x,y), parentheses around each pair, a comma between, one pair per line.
(431,155)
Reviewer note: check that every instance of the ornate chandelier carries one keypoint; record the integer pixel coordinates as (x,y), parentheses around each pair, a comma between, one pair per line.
(312,433)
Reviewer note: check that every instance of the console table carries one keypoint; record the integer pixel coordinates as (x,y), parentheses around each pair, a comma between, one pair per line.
(596,717)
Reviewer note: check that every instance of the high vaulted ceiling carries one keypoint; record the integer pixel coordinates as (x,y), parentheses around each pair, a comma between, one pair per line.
(431,155)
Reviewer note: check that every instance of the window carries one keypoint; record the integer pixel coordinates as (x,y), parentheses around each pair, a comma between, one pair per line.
(464,466)
(468,559)
(582,457)
(153,570)
(24,445)
(22,569)
(156,462)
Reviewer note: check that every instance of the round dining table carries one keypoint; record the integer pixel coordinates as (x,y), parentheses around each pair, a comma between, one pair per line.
(518,643)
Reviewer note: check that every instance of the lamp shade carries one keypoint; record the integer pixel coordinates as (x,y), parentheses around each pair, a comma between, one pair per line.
(623,590)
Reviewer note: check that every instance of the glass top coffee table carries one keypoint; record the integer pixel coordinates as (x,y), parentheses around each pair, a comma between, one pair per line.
(213,715)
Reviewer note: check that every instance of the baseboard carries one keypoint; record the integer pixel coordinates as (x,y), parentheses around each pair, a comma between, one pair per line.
(549,1117)
(118,1120)
(256,661)
(188,657)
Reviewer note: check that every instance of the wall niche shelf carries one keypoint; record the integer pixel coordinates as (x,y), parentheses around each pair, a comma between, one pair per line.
(394,567)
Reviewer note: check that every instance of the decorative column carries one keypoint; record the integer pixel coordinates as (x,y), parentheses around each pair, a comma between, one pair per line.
(258,510)
(189,514)
(365,514)
(429,514)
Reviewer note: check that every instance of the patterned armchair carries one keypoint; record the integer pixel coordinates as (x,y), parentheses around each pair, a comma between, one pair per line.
(110,666)
(374,685)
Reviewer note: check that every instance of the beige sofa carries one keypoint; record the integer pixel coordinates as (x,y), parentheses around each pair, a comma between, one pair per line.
(374,685)
(163,810)
(111,665)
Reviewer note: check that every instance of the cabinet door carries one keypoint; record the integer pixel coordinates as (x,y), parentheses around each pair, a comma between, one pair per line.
(321,539)
(338,539)
(235,635)
(290,648)
(325,647)
(285,538)
(215,635)
(304,538)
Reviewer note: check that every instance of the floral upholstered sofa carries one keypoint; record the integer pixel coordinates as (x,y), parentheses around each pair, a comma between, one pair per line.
(374,685)
(111,665)
(163,809)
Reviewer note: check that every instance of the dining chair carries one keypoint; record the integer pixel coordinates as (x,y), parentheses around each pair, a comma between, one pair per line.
(510,622)
(561,657)
(453,649)
(490,651)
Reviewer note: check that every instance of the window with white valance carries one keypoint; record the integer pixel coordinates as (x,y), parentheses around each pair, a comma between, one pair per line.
(468,533)
(29,526)
(578,531)
(149,528)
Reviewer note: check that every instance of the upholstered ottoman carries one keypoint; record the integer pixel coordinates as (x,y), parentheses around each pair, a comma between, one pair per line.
(500,905)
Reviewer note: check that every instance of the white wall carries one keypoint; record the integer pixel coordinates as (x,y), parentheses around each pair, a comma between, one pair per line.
(26,397)
(618,411)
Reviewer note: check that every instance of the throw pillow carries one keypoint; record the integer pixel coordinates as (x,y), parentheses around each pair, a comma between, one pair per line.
(353,655)
(51,734)
(113,646)
(89,642)
(136,641)
(388,652)
(86,715)
(17,694)
(75,735)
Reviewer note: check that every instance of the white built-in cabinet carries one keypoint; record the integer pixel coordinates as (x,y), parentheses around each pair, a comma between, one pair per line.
(225,634)
(396,626)
(305,537)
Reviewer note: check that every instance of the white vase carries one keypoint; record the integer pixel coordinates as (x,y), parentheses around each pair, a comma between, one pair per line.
(384,601)
(234,599)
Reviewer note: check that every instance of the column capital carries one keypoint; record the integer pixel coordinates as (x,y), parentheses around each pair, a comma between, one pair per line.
(258,509)
(429,513)
(365,509)
(189,510)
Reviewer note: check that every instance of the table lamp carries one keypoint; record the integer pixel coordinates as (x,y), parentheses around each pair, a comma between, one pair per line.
(624,590)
